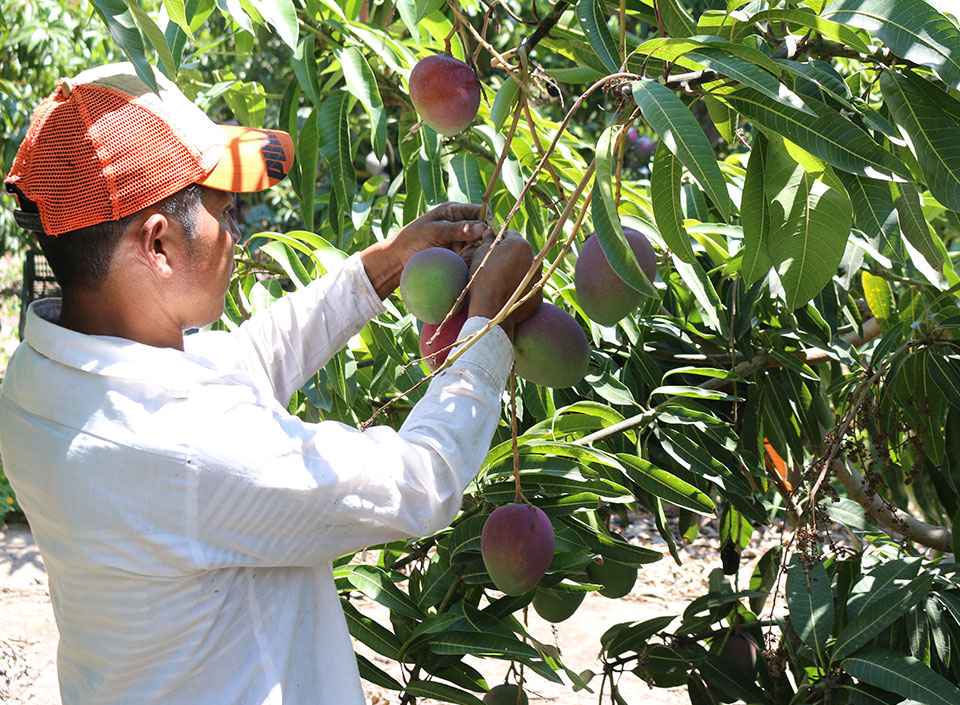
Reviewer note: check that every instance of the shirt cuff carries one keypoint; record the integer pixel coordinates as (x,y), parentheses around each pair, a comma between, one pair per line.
(492,353)
(365,296)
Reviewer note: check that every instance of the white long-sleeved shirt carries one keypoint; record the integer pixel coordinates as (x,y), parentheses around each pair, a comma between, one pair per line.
(188,522)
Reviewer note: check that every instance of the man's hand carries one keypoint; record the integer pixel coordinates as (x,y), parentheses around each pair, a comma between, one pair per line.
(450,225)
(499,277)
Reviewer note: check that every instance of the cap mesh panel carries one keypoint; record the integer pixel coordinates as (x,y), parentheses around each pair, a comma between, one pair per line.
(99,157)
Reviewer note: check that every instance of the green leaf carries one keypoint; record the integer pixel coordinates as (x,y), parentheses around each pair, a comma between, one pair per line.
(592,19)
(376,584)
(606,220)
(913,225)
(880,581)
(695,392)
(748,74)
(702,288)
(911,28)
(366,630)
(376,675)
(755,215)
(284,255)
(724,118)
(901,674)
(713,372)
(666,486)
(929,130)
(665,197)
(362,83)
(631,636)
(945,373)
(735,527)
(466,184)
(677,19)
(873,213)
(481,644)
(443,692)
(810,600)
(882,614)
(807,18)
(123,28)
(283,16)
(682,135)
(308,149)
(177,13)
(304,63)
(408,14)
(334,127)
(810,224)
(505,102)
(879,295)
(155,36)
(764,576)
(829,136)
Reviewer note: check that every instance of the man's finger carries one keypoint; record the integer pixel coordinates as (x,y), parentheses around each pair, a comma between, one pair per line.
(463,231)
(456,211)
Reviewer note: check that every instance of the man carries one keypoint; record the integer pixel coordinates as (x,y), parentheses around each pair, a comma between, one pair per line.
(186,520)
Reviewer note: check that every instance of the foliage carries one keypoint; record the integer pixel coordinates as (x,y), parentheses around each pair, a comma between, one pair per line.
(796,357)
(39,42)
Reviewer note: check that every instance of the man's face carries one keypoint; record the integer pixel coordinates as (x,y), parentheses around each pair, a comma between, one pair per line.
(211,258)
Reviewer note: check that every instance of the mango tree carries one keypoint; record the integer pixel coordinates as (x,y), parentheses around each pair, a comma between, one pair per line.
(792,355)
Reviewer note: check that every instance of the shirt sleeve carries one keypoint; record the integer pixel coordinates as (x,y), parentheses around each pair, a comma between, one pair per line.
(300,332)
(271,489)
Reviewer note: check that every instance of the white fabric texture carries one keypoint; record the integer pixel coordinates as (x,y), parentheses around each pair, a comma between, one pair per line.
(188,522)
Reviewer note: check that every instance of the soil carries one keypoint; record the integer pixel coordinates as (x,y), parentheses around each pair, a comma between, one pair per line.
(28,633)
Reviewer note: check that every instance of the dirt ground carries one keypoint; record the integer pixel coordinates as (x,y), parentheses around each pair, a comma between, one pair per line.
(28,634)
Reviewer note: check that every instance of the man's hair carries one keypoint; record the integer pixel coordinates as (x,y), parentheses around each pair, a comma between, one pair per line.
(80,258)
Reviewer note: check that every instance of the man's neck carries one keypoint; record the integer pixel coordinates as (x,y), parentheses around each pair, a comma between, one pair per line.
(95,313)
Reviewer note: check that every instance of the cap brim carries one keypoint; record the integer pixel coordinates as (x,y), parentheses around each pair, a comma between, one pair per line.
(253,159)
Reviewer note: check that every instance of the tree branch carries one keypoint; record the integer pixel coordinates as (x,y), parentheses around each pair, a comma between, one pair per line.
(939,538)
(546,25)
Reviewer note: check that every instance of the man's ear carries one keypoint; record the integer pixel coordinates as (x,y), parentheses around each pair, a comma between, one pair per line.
(153,244)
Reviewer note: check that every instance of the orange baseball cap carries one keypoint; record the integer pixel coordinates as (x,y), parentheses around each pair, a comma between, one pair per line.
(103,145)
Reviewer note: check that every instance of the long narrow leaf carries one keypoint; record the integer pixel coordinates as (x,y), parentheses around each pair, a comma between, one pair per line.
(930,131)
(810,600)
(901,674)
(682,135)
(829,136)
(362,83)
(911,28)
(123,28)
(873,213)
(334,128)
(665,196)
(592,17)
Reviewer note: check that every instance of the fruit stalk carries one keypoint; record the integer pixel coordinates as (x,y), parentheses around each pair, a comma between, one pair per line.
(513,433)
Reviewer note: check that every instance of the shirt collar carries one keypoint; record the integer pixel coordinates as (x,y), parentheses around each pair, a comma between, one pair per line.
(111,356)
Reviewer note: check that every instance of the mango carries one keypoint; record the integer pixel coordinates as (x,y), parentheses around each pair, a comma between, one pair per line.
(445,93)
(602,294)
(431,281)
(505,694)
(551,348)
(436,353)
(517,544)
